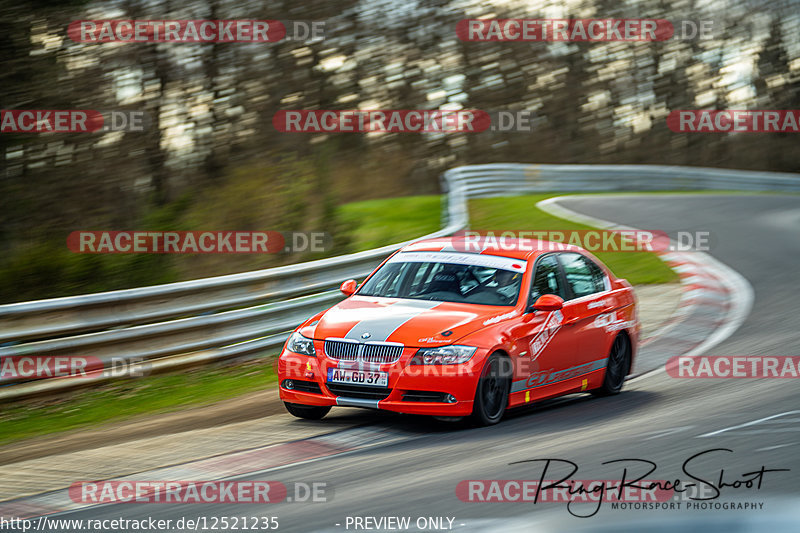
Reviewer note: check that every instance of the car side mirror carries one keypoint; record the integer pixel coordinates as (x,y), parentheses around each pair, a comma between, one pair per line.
(547,302)
(349,287)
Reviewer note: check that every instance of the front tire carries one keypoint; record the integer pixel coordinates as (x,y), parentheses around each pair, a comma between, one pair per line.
(491,395)
(308,412)
(618,366)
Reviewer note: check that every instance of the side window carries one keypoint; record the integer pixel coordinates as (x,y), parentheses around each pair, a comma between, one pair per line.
(583,276)
(598,276)
(546,279)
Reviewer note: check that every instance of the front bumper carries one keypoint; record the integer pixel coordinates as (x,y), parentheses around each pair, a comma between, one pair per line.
(407,384)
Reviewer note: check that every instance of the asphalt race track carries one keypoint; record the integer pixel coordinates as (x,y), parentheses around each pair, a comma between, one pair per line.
(658,418)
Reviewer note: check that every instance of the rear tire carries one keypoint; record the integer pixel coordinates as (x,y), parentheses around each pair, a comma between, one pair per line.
(309,412)
(491,395)
(618,366)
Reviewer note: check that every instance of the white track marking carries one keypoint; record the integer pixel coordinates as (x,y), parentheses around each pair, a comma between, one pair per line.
(664,432)
(739,288)
(768,448)
(746,424)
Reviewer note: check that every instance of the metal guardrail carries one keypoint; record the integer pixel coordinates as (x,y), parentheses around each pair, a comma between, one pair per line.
(251,312)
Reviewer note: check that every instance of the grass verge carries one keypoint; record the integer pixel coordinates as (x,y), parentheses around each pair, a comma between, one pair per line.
(129,398)
(519,213)
(376,223)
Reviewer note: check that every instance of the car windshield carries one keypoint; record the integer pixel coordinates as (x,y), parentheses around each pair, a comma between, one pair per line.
(448,277)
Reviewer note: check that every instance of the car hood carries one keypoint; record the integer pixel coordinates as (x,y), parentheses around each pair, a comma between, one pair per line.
(418,323)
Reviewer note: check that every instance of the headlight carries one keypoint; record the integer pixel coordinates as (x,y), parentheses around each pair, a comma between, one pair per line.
(443,355)
(299,344)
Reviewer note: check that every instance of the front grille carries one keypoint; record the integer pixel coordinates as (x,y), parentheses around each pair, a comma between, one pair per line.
(371,352)
(381,353)
(357,391)
(342,350)
(423,396)
(306,386)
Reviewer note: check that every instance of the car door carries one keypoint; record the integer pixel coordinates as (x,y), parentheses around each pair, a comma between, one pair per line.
(591,308)
(545,342)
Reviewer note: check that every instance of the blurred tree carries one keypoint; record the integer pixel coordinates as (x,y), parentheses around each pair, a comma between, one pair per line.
(211,138)
(777,87)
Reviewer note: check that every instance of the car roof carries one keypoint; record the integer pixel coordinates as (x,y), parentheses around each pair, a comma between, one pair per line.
(523,249)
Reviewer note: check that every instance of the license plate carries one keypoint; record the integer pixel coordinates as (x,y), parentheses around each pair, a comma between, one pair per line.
(358,377)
